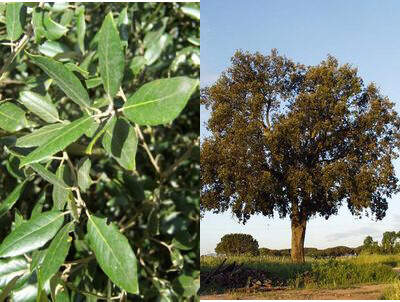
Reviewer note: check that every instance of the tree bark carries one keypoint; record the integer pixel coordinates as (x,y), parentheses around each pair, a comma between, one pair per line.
(298,235)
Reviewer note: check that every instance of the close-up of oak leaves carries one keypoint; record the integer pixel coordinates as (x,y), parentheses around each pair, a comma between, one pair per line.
(99,151)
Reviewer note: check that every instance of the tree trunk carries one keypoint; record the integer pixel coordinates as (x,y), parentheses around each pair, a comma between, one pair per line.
(298,235)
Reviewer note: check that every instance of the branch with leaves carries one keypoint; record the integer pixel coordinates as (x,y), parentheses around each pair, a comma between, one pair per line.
(84,90)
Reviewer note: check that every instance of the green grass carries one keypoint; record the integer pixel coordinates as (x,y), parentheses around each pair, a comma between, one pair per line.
(333,273)
(393,292)
(391,260)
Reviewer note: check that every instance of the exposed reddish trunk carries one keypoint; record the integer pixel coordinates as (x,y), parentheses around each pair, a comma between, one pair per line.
(298,235)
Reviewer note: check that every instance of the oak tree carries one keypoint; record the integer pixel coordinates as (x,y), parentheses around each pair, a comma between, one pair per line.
(299,141)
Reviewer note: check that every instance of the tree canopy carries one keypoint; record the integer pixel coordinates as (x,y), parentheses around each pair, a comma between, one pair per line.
(297,141)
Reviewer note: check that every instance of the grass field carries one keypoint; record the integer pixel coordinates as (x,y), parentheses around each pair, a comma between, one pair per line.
(340,272)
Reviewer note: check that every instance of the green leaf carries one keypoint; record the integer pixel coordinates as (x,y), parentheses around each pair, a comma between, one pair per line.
(47,175)
(120,141)
(18,219)
(37,209)
(192,10)
(155,50)
(40,106)
(73,67)
(195,41)
(7,290)
(32,234)
(123,26)
(84,180)
(53,48)
(27,293)
(65,79)
(55,254)
(62,296)
(11,268)
(11,199)
(12,118)
(186,286)
(111,56)
(91,130)
(39,136)
(56,6)
(67,17)
(153,222)
(53,30)
(12,166)
(183,241)
(71,205)
(160,101)
(81,27)
(153,36)
(100,130)
(113,253)
(37,22)
(91,83)
(15,20)
(37,258)
(137,64)
(64,137)
(60,194)
(177,258)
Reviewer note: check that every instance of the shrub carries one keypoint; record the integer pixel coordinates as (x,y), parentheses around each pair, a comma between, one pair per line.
(237,244)
(99,151)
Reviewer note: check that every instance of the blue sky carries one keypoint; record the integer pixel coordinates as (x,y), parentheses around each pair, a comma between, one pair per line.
(364,33)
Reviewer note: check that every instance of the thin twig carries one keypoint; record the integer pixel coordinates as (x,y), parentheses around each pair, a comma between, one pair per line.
(160,242)
(122,94)
(146,148)
(131,222)
(21,44)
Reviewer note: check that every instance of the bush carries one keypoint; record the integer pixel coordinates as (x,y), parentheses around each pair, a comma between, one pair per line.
(237,244)
(99,151)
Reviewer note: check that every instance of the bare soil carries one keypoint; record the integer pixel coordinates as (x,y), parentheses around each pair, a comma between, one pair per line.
(362,292)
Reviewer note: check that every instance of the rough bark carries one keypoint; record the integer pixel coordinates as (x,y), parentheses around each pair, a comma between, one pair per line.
(298,235)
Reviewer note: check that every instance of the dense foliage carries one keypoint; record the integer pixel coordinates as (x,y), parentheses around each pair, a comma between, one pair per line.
(237,244)
(99,151)
(297,141)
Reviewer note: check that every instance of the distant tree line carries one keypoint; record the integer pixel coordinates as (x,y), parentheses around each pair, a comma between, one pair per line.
(245,244)
(390,244)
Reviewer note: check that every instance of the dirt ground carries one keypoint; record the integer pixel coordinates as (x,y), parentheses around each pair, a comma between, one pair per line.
(362,292)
